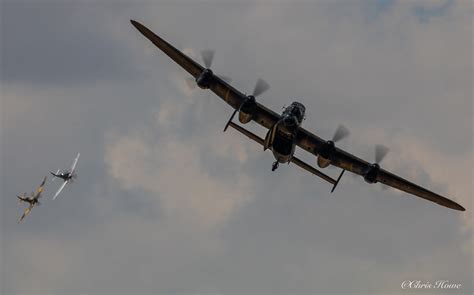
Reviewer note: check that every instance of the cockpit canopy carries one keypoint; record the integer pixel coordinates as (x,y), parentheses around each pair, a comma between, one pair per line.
(296,109)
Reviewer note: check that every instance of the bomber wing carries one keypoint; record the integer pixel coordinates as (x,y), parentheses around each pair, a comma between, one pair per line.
(397,182)
(180,58)
(224,90)
(349,162)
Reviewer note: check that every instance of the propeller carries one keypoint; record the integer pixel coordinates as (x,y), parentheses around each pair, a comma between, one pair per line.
(341,132)
(207,57)
(370,174)
(380,153)
(260,87)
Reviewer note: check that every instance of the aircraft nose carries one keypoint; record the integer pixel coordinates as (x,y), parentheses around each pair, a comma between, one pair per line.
(289,121)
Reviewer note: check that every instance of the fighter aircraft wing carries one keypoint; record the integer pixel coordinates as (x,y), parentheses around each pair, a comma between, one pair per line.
(26,212)
(74,163)
(60,189)
(40,188)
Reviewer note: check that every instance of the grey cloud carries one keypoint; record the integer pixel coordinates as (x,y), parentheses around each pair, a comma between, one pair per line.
(61,42)
(424,14)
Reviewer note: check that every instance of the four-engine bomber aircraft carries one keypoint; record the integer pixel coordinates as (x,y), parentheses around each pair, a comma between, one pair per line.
(32,200)
(66,176)
(285,131)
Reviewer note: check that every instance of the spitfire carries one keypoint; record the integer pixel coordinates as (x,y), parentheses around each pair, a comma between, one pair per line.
(285,131)
(32,200)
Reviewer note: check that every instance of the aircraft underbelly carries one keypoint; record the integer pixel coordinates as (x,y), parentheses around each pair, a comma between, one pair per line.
(282,148)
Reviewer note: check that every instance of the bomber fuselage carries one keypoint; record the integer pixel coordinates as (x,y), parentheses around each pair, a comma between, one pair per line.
(283,145)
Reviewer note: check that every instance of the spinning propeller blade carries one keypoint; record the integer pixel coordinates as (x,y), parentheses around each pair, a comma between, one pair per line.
(207,57)
(260,87)
(380,153)
(341,132)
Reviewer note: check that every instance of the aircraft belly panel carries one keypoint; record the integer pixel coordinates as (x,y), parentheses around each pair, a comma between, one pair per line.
(282,148)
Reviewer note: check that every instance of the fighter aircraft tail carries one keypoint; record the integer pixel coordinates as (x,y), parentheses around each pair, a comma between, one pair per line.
(22,199)
(54,174)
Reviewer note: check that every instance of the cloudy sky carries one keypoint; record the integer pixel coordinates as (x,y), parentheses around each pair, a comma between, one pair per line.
(166,203)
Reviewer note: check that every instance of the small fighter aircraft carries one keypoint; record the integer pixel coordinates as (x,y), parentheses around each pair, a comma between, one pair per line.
(285,131)
(31,200)
(66,176)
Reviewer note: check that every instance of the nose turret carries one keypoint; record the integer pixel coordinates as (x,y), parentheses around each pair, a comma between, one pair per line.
(294,114)
(289,121)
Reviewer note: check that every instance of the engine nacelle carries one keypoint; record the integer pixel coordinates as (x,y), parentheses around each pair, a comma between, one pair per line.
(371,172)
(205,79)
(247,110)
(323,162)
(324,157)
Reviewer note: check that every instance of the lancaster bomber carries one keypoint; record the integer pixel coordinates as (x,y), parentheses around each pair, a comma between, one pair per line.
(32,200)
(285,131)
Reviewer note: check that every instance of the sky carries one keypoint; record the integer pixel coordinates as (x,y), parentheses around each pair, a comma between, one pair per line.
(167,203)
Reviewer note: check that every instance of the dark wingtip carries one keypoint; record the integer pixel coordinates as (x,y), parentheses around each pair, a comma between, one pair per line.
(456,206)
(461,208)
(134,23)
(141,28)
